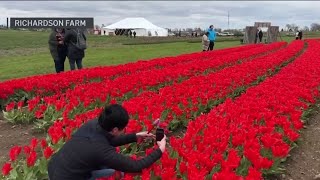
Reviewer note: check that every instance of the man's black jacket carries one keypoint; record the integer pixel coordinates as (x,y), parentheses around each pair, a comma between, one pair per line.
(70,39)
(92,148)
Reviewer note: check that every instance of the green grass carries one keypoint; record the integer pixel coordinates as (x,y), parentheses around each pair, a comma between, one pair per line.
(26,53)
(42,63)
(12,39)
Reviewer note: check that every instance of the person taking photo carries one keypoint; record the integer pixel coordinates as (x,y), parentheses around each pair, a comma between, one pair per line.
(91,151)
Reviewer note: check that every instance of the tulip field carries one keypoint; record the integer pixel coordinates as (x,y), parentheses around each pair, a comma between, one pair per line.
(229,114)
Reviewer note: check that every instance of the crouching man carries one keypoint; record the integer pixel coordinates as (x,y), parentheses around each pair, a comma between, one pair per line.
(91,152)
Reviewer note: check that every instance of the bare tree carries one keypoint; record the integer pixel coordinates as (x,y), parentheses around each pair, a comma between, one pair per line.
(288,26)
(315,27)
(306,28)
(294,27)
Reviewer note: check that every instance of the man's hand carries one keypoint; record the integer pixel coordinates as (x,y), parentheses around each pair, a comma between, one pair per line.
(145,134)
(162,143)
(60,42)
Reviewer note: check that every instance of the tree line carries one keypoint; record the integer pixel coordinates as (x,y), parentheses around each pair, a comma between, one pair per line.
(294,27)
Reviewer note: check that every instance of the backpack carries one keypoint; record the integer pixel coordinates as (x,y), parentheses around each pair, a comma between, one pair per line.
(81,42)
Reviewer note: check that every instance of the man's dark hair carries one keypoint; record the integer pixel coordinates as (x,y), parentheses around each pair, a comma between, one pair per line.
(113,116)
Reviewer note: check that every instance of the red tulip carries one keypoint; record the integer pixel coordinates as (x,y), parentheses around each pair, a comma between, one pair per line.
(26,150)
(33,143)
(10,106)
(48,151)
(31,159)
(6,169)
(44,143)
(14,152)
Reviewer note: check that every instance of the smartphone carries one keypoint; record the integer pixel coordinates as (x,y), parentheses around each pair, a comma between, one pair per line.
(159,134)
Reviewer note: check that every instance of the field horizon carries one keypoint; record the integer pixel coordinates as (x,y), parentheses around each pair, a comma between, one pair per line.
(26,52)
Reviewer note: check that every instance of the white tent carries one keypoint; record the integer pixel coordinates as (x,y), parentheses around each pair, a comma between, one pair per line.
(141,26)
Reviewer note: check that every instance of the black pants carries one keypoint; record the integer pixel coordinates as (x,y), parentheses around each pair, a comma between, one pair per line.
(75,61)
(59,63)
(211,45)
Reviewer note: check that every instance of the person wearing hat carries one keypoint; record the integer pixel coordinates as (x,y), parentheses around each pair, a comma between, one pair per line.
(212,37)
(91,153)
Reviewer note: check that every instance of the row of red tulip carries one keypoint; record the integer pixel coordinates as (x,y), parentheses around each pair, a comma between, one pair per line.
(87,96)
(216,147)
(60,131)
(56,131)
(138,104)
(141,81)
(181,102)
(55,83)
(252,133)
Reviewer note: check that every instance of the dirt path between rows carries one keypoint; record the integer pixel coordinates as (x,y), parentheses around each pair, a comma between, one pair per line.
(11,135)
(304,162)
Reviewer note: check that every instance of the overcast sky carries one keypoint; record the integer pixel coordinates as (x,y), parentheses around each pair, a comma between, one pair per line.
(172,14)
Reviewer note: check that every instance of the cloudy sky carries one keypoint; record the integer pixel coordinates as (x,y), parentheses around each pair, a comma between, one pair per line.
(172,14)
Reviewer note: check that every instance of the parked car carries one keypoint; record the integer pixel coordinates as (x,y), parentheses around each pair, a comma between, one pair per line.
(225,34)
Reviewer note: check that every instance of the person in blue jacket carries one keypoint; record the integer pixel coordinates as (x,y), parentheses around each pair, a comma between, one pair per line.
(212,37)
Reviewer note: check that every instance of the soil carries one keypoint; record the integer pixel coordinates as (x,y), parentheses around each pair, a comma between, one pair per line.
(304,162)
(11,135)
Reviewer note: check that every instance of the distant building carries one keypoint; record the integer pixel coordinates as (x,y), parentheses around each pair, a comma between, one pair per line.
(140,25)
(270,33)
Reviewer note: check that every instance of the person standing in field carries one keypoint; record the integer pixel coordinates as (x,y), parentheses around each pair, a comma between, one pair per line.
(205,42)
(300,34)
(212,37)
(297,35)
(76,42)
(58,48)
(260,35)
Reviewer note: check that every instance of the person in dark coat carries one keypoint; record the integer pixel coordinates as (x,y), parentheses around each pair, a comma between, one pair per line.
(58,48)
(75,54)
(260,35)
(300,34)
(134,34)
(91,152)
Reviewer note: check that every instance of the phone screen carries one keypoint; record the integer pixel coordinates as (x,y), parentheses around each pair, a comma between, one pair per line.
(159,134)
